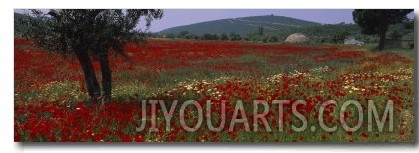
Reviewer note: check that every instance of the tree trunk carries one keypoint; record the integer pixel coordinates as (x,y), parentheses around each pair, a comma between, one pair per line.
(106,77)
(382,36)
(92,84)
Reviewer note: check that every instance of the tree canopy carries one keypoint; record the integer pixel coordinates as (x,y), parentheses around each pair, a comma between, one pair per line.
(64,31)
(377,21)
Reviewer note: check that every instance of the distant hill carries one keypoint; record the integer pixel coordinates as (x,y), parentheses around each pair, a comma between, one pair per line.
(243,25)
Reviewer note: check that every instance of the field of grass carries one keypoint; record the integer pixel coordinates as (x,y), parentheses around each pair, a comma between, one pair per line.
(51,102)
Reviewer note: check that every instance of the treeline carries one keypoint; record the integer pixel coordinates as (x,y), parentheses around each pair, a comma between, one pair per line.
(232,36)
(329,33)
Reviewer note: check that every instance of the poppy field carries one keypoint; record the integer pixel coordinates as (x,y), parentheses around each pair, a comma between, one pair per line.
(52,104)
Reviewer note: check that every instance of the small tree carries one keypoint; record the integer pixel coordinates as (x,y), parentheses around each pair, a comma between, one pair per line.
(339,36)
(206,36)
(183,34)
(395,35)
(409,24)
(214,37)
(224,36)
(260,30)
(273,38)
(377,21)
(90,32)
(170,35)
(235,36)
(191,36)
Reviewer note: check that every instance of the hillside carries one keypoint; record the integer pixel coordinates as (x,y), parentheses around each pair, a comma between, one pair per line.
(243,25)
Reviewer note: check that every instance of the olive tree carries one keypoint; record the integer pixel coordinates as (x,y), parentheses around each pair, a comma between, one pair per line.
(90,33)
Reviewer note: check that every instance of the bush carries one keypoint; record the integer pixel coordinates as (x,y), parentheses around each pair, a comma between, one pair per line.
(235,36)
(224,36)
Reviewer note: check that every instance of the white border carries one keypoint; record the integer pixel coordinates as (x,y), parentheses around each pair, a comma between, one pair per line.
(6,70)
(291,4)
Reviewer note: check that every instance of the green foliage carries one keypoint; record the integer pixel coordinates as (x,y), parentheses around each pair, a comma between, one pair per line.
(260,30)
(235,36)
(191,36)
(402,31)
(377,21)
(395,35)
(328,33)
(409,24)
(339,36)
(170,35)
(21,25)
(183,34)
(208,36)
(66,31)
(270,38)
(224,36)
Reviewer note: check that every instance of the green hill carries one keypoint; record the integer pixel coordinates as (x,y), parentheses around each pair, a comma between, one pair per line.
(243,25)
